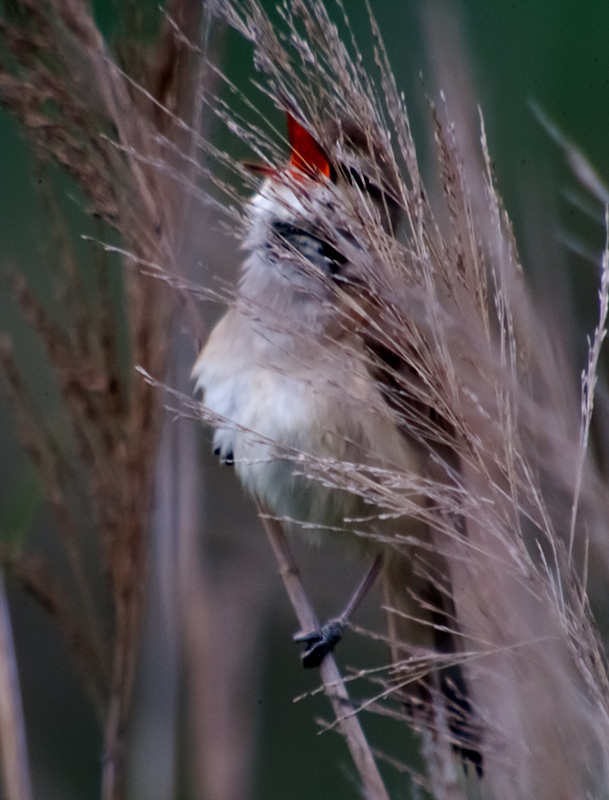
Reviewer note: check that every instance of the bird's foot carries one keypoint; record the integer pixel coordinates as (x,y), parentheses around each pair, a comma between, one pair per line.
(317,644)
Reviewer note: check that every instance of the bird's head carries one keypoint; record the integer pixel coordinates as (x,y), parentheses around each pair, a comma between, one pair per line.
(310,219)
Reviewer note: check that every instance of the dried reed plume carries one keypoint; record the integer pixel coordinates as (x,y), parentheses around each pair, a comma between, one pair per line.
(78,108)
(446,295)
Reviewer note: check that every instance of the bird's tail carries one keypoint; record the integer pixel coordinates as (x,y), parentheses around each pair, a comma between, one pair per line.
(421,618)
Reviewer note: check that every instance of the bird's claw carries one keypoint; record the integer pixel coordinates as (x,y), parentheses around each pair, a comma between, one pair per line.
(317,644)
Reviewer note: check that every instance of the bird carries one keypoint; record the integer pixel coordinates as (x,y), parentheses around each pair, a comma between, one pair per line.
(308,395)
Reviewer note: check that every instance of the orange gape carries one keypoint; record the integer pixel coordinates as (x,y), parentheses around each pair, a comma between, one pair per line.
(307,156)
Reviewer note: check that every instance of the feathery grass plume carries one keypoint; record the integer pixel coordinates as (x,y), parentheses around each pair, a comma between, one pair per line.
(106,125)
(513,500)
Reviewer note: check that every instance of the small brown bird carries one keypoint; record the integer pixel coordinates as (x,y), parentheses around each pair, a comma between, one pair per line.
(302,366)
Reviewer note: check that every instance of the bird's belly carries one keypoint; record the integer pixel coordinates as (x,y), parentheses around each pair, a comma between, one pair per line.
(283,436)
(299,435)
(296,445)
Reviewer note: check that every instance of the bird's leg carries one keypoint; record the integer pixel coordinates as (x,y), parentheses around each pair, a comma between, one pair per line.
(317,644)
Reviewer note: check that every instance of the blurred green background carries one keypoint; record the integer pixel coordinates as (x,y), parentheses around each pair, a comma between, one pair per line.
(549,52)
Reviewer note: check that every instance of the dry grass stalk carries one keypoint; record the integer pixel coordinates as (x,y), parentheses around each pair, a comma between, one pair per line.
(372,783)
(13,747)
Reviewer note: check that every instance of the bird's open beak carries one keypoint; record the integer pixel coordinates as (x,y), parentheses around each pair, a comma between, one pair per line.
(307,155)
(307,159)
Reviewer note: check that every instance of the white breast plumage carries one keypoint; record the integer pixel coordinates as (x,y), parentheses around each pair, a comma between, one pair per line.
(271,410)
